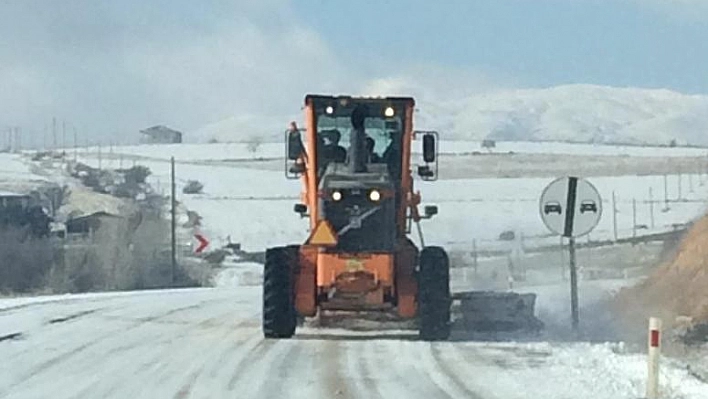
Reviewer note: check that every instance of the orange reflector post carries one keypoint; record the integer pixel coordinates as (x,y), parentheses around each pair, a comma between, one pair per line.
(323,234)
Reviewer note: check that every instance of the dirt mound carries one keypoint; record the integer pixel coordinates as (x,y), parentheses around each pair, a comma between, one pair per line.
(679,287)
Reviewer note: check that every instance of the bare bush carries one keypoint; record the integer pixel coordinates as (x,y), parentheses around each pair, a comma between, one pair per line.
(25,261)
(124,254)
(193,187)
(136,175)
(254,143)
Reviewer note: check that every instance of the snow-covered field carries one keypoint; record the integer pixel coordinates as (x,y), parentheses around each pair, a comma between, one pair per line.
(270,150)
(254,207)
(16,174)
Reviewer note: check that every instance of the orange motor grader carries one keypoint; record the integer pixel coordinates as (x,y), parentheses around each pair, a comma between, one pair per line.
(354,160)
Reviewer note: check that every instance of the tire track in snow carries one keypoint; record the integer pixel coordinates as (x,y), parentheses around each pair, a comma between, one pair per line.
(284,370)
(251,354)
(334,384)
(214,368)
(199,375)
(157,360)
(396,362)
(255,373)
(451,371)
(431,370)
(363,368)
(442,375)
(36,371)
(11,336)
(73,316)
(78,316)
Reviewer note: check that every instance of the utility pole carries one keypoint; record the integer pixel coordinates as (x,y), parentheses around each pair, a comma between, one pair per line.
(474,255)
(76,145)
(690,183)
(651,206)
(634,217)
(174,220)
(680,195)
(700,174)
(63,137)
(614,215)
(54,132)
(666,192)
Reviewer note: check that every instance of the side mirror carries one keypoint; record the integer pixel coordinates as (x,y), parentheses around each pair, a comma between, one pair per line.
(295,147)
(428,171)
(430,211)
(429,150)
(301,209)
(425,171)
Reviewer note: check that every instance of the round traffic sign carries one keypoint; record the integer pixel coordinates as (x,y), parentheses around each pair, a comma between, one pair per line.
(570,206)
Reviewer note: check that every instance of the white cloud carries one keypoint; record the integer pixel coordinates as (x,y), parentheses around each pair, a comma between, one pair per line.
(114,68)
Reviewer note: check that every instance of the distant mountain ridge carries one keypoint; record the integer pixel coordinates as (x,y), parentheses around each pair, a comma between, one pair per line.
(573,113)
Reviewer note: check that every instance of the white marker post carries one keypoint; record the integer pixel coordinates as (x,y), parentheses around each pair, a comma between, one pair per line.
(653,358)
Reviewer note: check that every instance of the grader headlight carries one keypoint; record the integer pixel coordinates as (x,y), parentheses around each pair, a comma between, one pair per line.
(374,195)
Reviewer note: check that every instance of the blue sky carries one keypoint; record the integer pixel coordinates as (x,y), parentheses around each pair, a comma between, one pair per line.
(535,42)
(111,68)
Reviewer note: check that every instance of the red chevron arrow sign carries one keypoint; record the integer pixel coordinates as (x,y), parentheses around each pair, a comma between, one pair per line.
(203,243)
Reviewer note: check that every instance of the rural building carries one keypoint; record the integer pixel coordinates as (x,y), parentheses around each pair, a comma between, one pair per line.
(487,143)
(18,211)
(13,209)
(9,200)
(88,224)
(160,135)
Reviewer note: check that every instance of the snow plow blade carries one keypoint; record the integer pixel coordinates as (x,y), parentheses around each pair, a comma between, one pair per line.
(489,311)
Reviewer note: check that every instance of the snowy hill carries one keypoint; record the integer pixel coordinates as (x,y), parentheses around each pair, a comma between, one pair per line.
(575,113)
(579,113)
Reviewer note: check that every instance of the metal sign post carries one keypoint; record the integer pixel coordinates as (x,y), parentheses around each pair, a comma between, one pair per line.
(573,285)
(571,207)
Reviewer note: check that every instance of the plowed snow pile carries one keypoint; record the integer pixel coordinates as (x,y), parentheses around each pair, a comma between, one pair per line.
(677,288)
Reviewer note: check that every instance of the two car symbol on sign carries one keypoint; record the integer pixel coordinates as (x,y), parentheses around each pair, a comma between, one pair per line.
(588,206)
(555,207)
(552,207)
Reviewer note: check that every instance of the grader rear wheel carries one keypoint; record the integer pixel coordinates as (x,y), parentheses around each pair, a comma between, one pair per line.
(279,316)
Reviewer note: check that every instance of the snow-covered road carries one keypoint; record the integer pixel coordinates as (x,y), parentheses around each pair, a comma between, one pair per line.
(207,343)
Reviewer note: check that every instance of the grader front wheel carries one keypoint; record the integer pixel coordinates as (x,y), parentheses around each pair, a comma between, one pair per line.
(434,294)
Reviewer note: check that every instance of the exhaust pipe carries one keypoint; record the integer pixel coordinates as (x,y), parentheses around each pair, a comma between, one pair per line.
(357,150)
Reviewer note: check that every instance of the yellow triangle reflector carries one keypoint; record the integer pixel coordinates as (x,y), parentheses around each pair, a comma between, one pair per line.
(323,234)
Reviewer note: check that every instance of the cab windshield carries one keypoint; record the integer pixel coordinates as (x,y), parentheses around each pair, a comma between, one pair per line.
(383,137)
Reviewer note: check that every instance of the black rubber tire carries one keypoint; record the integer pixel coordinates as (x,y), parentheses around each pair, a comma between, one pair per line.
(279,318)
(434,294)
